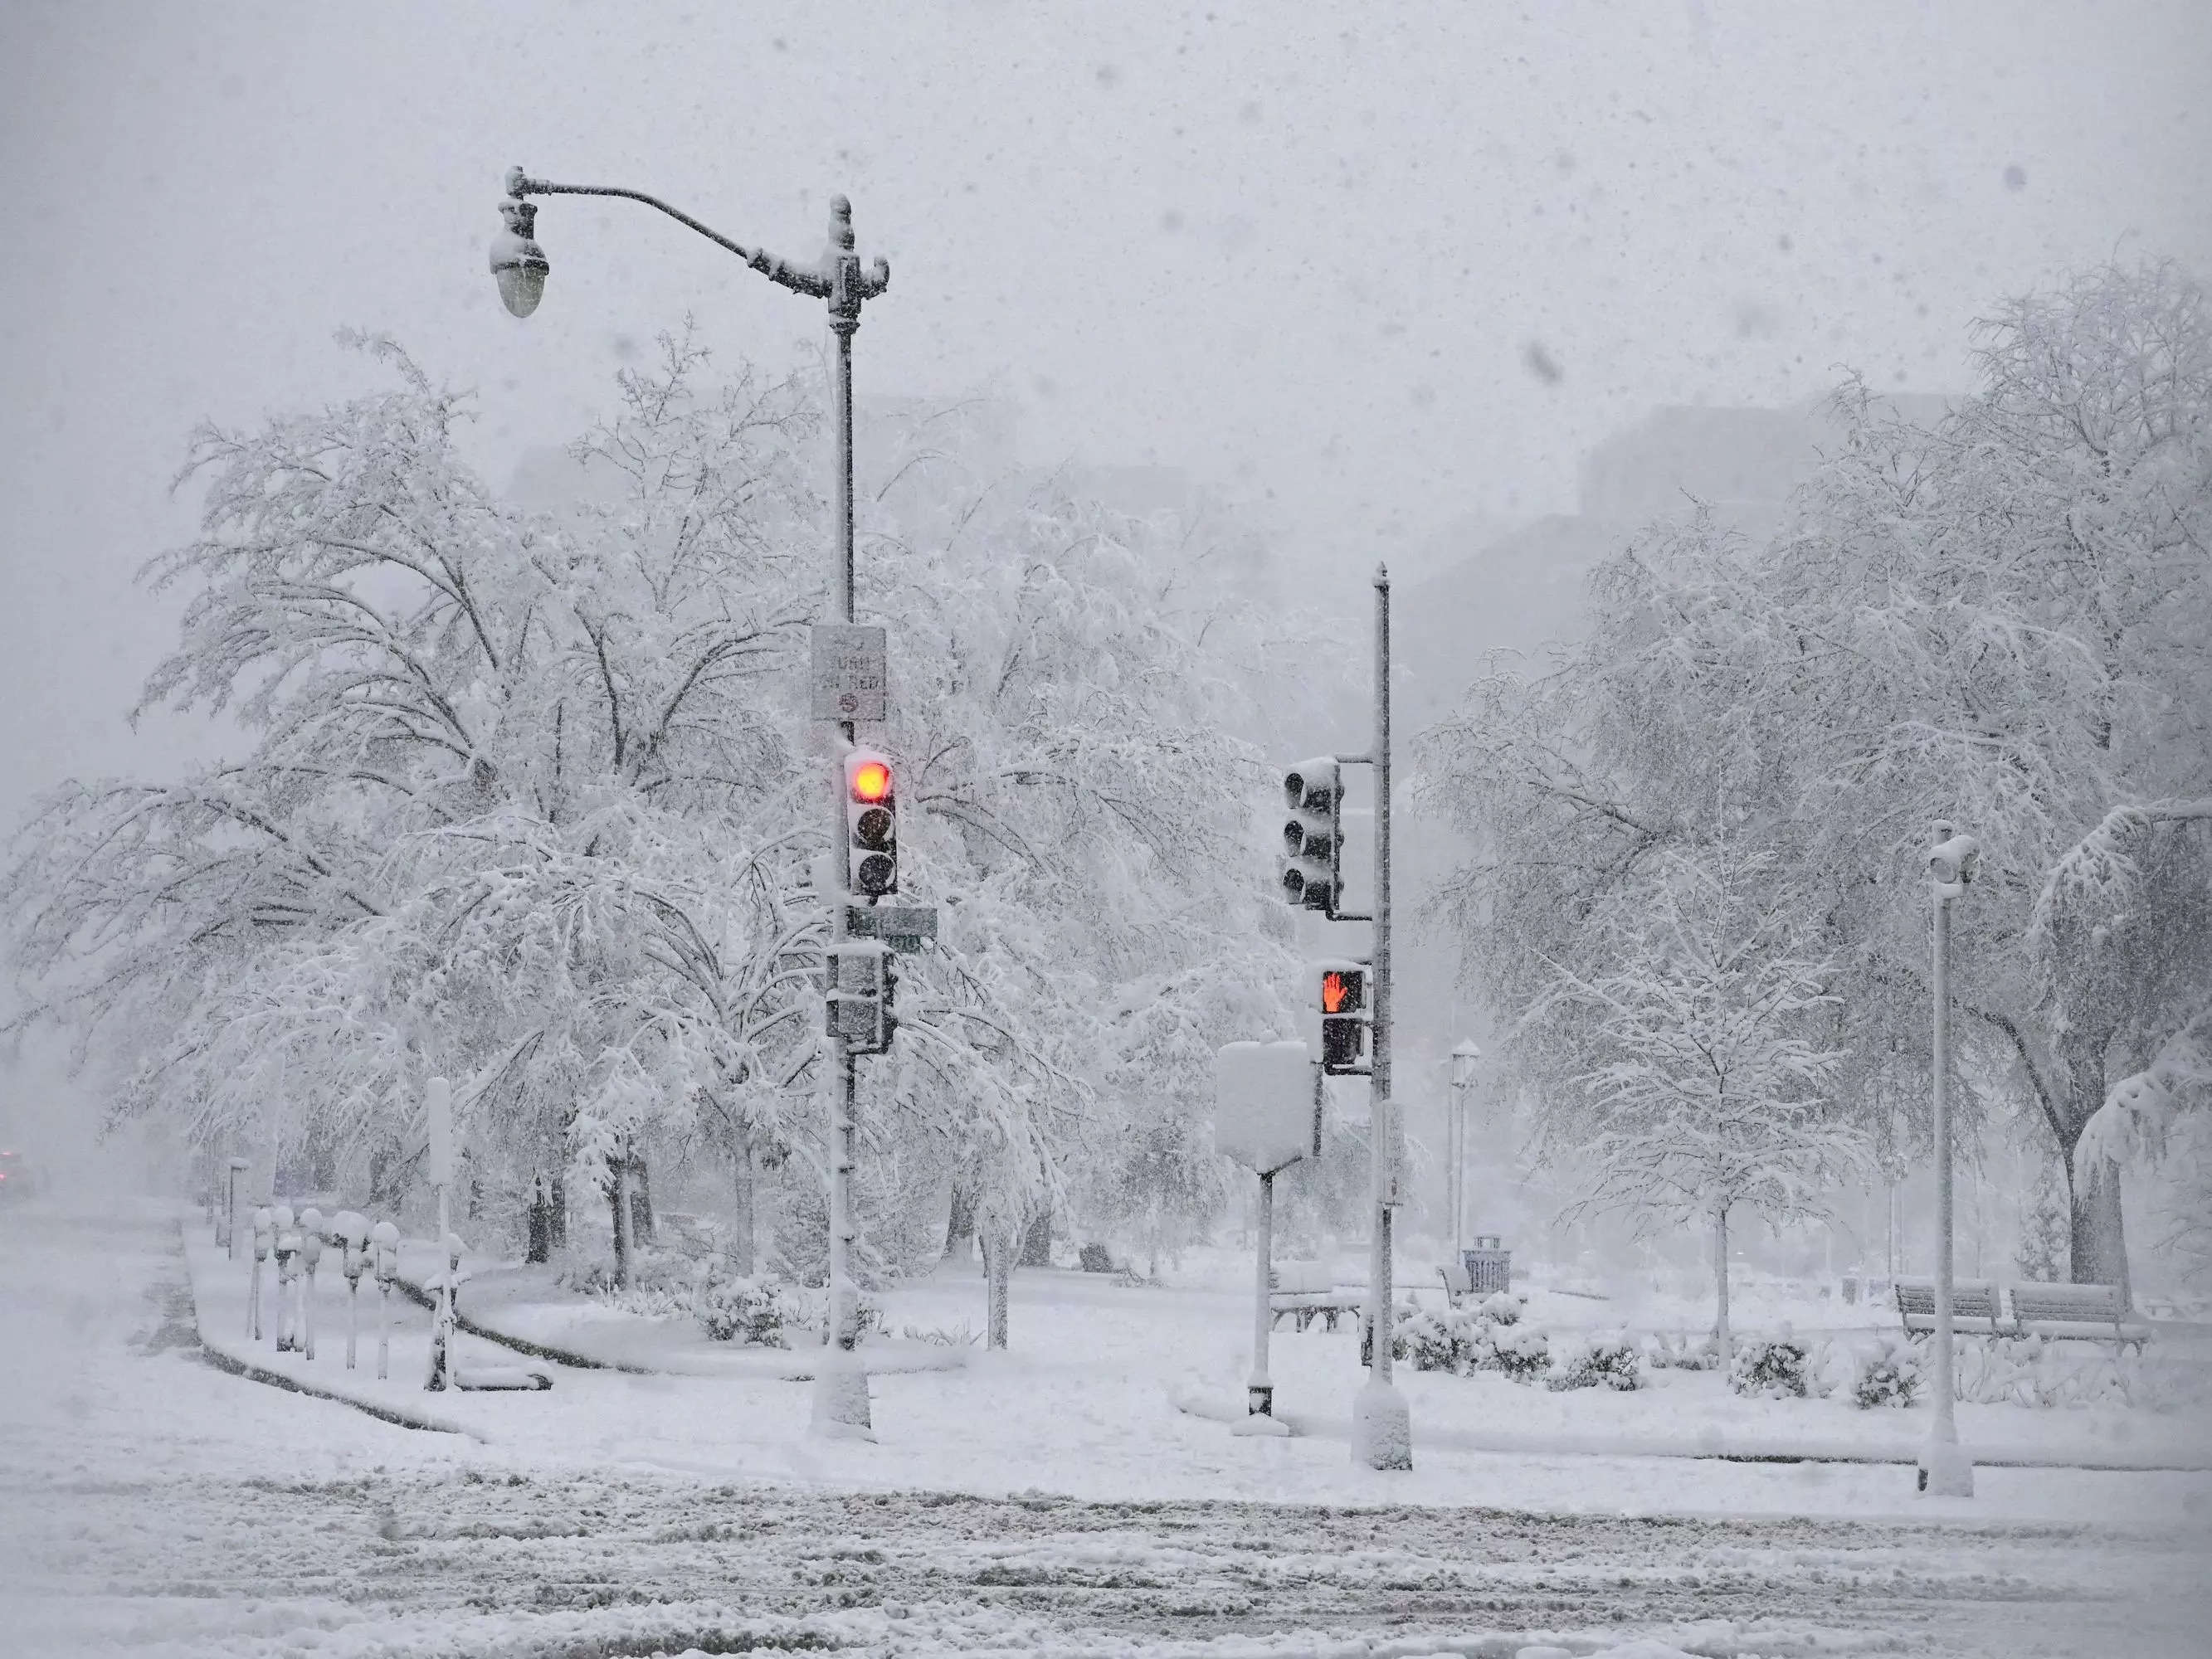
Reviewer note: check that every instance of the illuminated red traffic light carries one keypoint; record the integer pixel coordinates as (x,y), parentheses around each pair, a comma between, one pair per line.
(871,781)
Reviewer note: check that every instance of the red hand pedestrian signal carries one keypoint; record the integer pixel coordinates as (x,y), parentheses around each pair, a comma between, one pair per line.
(1337,990)
(1343,1018)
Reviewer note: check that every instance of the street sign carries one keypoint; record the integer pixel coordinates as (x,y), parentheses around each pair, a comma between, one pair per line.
(1267,1104)
(848,673)
(438,1102)
(902,927)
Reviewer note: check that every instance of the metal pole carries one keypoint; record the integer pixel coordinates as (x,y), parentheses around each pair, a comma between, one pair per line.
(441,1334)
(1260,1391)
(1383,1435)
(1944,1469)
(841,1385)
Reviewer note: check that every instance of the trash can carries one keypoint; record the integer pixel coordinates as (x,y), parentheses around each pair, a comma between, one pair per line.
(1489,1267)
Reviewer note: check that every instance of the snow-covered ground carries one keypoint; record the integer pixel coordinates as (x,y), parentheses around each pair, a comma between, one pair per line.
(1051,1500)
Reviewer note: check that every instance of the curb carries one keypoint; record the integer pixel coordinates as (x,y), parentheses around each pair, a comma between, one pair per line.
(521,1345)
(222,1360)
(1305,1427)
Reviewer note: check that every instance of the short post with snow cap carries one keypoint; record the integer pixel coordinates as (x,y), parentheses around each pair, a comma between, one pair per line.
(287,1266)
(438,1105)
(351,1230)
(383,1244)
(264,1238)
(1946,1470)
(311,1252)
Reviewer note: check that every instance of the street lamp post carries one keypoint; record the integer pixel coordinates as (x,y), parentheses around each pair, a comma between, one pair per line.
(1464,1059)
(520,266)
(1946,1470)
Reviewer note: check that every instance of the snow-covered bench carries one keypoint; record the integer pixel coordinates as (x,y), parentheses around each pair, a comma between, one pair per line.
(1974,1308)
(1307,1291)
(2083,1313)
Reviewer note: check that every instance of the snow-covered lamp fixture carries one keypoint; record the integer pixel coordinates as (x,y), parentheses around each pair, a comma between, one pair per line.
(517,263)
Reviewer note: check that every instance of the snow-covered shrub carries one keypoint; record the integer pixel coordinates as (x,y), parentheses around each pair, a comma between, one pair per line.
(1518,1352)
(1668,1351)
(1596,1362)
(650,1270)
(812,1311)
(1432,1342)
(1769,1369)
(748,1310)
(963,1335)
(1500,1308)
(1095,1259)
(1890,1376)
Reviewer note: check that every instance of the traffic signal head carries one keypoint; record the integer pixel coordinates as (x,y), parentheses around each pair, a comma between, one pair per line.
(1342,991)
(861,983)
(870,824)
(1313,835)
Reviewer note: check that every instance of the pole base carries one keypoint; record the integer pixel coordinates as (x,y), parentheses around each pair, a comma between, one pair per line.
(1946,1470)
(841,1398)
(1382,1428)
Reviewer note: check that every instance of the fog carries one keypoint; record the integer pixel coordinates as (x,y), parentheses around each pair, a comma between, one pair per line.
(1476,290)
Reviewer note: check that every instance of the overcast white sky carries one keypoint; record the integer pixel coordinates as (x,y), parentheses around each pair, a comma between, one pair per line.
(1300,251)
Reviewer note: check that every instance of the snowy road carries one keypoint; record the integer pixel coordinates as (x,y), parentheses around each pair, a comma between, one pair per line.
(150,1503)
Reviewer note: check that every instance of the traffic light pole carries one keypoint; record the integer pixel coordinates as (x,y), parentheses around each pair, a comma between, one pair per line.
(841,1385)
(1382,1427)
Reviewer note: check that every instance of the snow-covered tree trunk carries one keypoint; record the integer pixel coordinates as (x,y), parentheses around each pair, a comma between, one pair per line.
(2097,1234)
(1720,1332)
(743,1192)
(1037,1241)
(624,1240)
(960,1228)
(998,1276)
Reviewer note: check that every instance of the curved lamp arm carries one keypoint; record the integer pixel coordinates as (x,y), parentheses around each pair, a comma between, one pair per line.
(799,279)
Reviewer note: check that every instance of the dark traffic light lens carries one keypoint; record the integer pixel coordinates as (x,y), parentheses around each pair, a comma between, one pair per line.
(1294,886)
(875,874)
(873,829)
(1294,789)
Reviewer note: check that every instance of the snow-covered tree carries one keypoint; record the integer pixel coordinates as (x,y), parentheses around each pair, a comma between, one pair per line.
(527,798)
(1708,1091)
(1998,620)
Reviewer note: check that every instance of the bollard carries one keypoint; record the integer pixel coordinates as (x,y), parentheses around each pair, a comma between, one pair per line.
(350,1230)
(384,1242)
(264,1237)
(287,1266)
(233,1202)
(442,1329)
(311,1252)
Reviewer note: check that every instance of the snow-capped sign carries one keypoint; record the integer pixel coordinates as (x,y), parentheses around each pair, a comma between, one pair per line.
(849,673)
(439,1103)
(1267,1104)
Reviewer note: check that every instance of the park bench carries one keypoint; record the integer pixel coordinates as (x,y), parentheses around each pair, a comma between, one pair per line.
(2062,1313)
(1306,1291)
(2080,1313)
(1974,1307)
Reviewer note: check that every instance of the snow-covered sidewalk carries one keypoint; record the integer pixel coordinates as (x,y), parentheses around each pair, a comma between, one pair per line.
(1087,1404)
(150,1503)
(522,1304)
